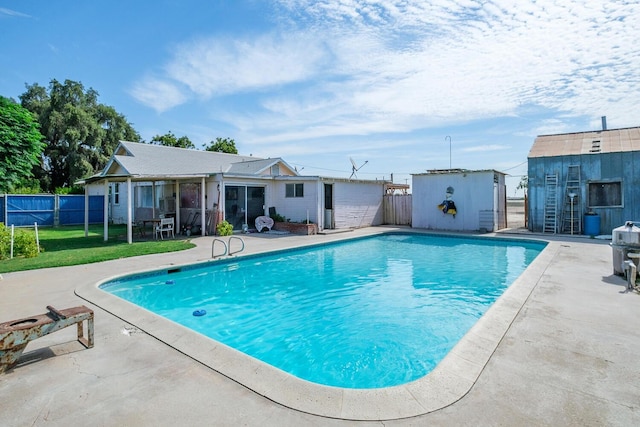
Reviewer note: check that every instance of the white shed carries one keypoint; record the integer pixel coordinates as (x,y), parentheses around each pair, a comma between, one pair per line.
(459,200)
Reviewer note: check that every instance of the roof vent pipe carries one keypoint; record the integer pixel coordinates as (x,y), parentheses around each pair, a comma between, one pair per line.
(604,122)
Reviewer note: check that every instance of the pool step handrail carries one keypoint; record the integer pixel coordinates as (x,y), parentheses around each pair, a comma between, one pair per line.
(239,250)
(213,248)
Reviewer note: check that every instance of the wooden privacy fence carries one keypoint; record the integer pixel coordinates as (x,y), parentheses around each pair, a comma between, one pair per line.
(397,209)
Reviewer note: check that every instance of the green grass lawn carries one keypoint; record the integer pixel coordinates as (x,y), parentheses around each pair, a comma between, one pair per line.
(68,246)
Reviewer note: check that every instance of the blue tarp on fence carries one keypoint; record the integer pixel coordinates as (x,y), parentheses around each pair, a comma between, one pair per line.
(72,209)
(27,209)
(48,210)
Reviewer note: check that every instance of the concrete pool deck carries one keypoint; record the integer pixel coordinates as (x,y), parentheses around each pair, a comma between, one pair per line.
(568,356)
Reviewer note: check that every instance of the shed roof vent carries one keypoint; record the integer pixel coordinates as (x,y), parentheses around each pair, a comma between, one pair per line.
(595,146)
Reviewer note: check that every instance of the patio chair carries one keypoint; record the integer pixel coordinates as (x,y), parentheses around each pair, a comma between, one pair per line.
(165,226)
(138,228)
(263,222)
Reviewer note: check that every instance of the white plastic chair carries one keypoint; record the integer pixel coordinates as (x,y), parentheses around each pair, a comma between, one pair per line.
(165,226)
(263,222)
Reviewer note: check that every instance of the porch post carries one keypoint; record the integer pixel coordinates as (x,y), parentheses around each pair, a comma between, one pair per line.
(203,207)
(153,199)
(177,224)
(320,208)
(105,207)
(129,197)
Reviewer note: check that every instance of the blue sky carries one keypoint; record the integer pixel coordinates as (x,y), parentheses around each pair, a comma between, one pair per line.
(318,82)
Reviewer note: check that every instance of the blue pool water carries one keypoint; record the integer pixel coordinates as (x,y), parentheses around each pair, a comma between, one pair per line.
(367,313)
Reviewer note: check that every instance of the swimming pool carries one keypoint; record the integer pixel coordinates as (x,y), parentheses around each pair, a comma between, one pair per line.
(370,313)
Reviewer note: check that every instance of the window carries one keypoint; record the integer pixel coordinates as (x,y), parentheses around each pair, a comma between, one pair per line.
(144,196)
(295,190)
(605,194)
(116,193)
(190,195)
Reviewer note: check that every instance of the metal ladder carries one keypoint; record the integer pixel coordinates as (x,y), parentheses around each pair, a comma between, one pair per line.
(572,210)
(550,221)
(226,246)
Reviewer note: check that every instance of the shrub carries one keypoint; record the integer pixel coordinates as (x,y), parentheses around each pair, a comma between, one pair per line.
(224,229)
(278,218)
(5,241)
(24,243)
(76,189)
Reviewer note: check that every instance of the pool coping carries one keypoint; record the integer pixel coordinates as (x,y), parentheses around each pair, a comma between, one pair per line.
(452,378)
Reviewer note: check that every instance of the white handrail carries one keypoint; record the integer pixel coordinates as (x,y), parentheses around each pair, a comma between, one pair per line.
(213,247)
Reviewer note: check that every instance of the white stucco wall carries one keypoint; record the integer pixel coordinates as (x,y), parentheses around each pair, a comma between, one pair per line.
(474,195)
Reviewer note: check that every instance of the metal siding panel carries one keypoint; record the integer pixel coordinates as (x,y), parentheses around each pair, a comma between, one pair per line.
(606,166)
(630,166)
(593,167)
(612,165)
(538,168)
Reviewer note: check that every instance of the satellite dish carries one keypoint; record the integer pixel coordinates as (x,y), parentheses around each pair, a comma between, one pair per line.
(355,168)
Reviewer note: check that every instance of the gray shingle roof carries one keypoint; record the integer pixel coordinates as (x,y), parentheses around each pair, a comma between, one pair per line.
(139,159)
(252,167)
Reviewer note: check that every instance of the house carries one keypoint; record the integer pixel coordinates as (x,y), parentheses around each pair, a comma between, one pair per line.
(584,182)
(201,188)
(459,200)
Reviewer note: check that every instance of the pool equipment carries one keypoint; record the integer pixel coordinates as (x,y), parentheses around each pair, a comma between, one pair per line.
(625,240)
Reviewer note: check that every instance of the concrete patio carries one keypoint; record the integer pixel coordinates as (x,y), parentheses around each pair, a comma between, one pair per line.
(568,356)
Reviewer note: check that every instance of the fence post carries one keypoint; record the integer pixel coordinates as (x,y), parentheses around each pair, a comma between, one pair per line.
(11,257)
(56,210)
(35,224)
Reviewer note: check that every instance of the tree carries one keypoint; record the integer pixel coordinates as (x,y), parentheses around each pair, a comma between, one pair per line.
(80,133)
(223,145)
(20,144)
(170,140)
(523,184)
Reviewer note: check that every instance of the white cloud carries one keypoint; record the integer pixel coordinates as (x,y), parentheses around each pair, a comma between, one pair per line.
(485,148)
(159,94)
(358,67)
(214,66)
(10,12)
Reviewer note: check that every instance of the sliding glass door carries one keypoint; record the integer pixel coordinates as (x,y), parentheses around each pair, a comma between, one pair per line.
(242,205)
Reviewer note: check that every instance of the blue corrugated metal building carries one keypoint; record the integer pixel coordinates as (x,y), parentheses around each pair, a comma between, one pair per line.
(584,182)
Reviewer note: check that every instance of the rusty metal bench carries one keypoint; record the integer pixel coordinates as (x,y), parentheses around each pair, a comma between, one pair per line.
(16,334)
